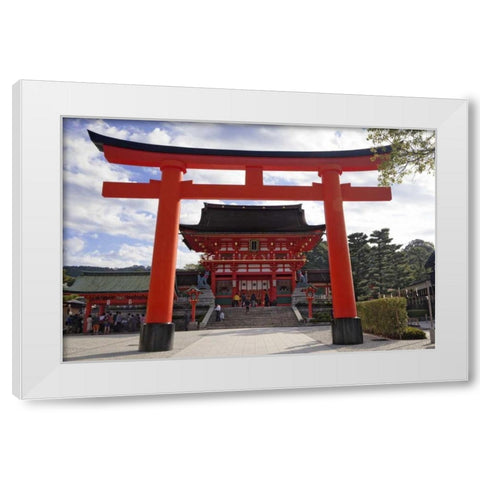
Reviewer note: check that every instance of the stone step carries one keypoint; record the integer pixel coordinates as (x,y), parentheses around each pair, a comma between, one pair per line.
(237,317)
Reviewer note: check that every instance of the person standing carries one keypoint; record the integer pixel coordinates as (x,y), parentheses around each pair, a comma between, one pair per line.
(187,316)
(96,325)
(236,300)
(218,310)
(266,299)
(244,298)
(106,324)
(89,324)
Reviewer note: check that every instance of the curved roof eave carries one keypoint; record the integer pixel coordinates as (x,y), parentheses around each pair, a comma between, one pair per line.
(195,229)
(101,140)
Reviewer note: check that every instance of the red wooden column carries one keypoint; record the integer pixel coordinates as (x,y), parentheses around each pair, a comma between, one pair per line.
(158,330)
(273,291)
(88,311)
(234,280)
(213,281)
(294,278)
(347,327)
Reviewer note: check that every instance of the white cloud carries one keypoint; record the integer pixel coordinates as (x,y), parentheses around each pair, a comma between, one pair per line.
(87,214)
(222,177)
(185,257)
(73,245)
(126,255)
(85,210)
(136,254)
(190,211)
(158,137)
(104,128)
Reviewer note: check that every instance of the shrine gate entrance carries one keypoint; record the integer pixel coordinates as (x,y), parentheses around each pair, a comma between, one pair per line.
(252,249)
(158,331)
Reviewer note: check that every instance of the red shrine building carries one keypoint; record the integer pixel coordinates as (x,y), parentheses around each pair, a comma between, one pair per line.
(252,249)
(107,291)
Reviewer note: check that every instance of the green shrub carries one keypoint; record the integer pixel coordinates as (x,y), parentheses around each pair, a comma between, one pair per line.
(315,303)
(386,316)
(321,317)
(412,333)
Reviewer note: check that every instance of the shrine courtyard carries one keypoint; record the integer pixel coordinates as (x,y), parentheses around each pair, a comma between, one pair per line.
(223,343)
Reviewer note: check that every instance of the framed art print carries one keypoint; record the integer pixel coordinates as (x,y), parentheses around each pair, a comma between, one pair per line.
(186,240)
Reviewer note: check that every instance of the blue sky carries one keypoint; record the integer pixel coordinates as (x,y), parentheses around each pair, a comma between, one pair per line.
(108,232)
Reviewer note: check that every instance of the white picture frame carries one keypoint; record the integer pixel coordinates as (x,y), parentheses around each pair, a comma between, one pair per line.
(38,369)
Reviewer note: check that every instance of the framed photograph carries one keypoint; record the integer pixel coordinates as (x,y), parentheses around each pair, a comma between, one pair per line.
(99,169)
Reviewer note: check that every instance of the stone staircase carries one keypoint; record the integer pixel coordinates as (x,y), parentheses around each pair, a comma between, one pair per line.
(235,317)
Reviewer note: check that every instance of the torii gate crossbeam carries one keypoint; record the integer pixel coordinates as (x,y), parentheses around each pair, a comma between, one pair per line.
(158,330)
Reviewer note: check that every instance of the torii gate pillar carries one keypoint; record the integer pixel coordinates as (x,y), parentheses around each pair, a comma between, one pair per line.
(346,326)
(158,330)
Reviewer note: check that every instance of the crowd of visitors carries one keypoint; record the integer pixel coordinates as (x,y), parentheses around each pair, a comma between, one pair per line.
(244,300)
(110,322)
(121,322)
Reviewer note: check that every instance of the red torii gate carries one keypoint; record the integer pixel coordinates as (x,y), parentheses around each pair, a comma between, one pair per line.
(157,333)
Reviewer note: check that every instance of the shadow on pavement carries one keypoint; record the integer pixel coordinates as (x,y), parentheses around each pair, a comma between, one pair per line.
(100,356)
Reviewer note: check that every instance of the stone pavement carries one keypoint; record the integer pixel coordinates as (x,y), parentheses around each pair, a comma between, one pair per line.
(242,342)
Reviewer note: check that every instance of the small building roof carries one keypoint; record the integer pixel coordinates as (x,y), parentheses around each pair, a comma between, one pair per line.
(121,282)
(110,282)
(76,301)
(318,276)
(218,218)
(186,278)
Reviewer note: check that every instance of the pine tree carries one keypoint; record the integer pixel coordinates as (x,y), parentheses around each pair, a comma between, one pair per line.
(403,271)
(384,263)
(360,261)
(417,253)
(317,258)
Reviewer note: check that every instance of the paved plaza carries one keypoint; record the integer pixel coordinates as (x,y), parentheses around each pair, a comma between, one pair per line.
(242,342)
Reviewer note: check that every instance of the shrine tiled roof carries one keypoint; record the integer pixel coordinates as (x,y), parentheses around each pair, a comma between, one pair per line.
(318,275)
(218,218)
(122,282)
(110,282)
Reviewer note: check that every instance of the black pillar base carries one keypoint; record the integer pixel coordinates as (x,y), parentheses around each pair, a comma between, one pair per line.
(156,337)
(347,331)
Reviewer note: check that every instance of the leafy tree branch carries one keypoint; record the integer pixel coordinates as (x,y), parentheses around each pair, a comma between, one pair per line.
(413,151)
